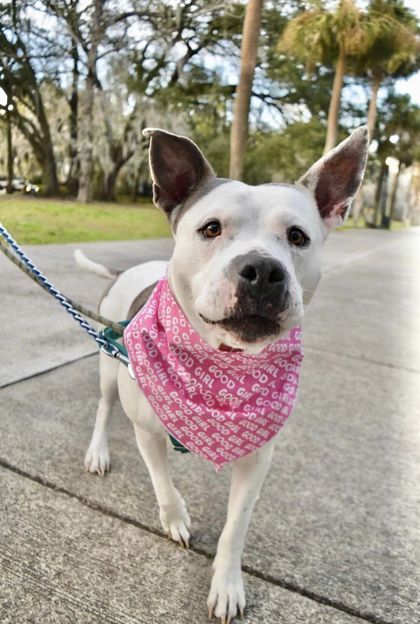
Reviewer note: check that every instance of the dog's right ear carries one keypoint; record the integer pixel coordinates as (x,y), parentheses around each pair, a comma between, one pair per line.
(177,166)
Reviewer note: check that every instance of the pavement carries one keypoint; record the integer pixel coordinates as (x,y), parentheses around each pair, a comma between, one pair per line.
(335,537)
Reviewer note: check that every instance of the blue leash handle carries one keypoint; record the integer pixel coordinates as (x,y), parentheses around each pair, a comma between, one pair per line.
(105,345)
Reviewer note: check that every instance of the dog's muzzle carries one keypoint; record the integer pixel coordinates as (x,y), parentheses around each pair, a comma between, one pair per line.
(262,294)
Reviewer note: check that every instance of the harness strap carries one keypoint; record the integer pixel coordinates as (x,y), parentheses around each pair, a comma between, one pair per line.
(113,337)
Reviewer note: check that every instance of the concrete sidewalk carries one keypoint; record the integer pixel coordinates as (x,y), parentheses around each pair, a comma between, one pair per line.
(335,537)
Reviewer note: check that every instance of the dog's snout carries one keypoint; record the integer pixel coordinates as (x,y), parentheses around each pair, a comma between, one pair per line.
(261,274)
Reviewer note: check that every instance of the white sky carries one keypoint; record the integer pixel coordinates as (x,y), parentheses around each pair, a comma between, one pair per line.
(411,86)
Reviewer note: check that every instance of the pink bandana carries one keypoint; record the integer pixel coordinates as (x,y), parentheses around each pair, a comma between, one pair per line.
(220,405)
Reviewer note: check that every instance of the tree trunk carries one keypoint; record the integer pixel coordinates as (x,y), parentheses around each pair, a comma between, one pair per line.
(373,107)
(136,185)
(9,188)
(378,192)
(86,145)
(43,150)
(110,181)
(52,186)
(334,109)
(118,156)
(73,176)
(358,207)
(249,48)
(393,194)
(49,162)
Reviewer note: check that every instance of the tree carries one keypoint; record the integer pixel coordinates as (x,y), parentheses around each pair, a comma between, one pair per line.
(92,32)
(376,43)
(249,48)
(91,47)
(18,78)
(393,50)
(330,38)
(398,120)
(69,11)
(103,31)
(269,158)
(118,136)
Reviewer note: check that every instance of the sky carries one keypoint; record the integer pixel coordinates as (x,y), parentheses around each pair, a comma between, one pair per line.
(411,86)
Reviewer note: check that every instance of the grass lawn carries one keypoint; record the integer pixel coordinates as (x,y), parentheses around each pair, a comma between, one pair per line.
(38,220)
(350,224)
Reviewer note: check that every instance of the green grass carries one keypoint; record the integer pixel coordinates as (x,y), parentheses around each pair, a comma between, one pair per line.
(37,220)
(350,224)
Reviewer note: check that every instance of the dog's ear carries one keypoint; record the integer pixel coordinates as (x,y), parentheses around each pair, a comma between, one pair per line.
(177,166)
(335,178)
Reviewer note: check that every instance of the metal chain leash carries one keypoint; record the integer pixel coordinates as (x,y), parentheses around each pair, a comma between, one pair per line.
(105,345)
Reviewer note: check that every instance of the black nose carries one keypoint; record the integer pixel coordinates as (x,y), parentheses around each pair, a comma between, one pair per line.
(261,275)
(262,272)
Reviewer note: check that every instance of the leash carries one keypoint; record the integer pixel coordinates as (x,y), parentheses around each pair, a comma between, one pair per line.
(117,327)
(107,339)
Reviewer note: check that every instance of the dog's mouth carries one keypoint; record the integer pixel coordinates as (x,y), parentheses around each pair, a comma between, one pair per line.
(248,327)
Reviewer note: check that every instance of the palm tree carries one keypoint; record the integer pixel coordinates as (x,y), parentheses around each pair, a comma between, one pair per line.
(377,43)
(400,117)
(249,48)
(393,52)
(330,38)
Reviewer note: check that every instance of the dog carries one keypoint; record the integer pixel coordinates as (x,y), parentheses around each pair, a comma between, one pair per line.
(245,264)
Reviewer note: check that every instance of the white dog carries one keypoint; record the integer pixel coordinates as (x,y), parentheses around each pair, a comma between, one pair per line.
(245,264)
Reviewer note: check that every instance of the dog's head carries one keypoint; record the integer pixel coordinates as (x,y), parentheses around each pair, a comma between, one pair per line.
(246,258)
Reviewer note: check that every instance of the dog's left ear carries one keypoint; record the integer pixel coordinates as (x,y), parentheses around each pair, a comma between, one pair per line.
(335,178)
(177,166)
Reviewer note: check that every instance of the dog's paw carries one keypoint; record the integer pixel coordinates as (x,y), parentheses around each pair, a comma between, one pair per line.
(97,459)
(176,521)
(227,596)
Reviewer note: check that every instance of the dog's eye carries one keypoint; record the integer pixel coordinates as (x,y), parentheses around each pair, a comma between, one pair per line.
(297,237)
(211,229)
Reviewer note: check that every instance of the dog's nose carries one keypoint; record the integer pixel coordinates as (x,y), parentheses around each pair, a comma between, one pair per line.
(262,272)
(262,276)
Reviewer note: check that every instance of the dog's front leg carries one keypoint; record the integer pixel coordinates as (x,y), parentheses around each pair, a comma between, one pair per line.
(153,446)
(97,456)
(227,595)
(172,509)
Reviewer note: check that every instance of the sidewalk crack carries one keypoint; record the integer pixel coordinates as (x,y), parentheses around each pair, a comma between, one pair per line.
(370,618)
(47,370)
(362,359)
